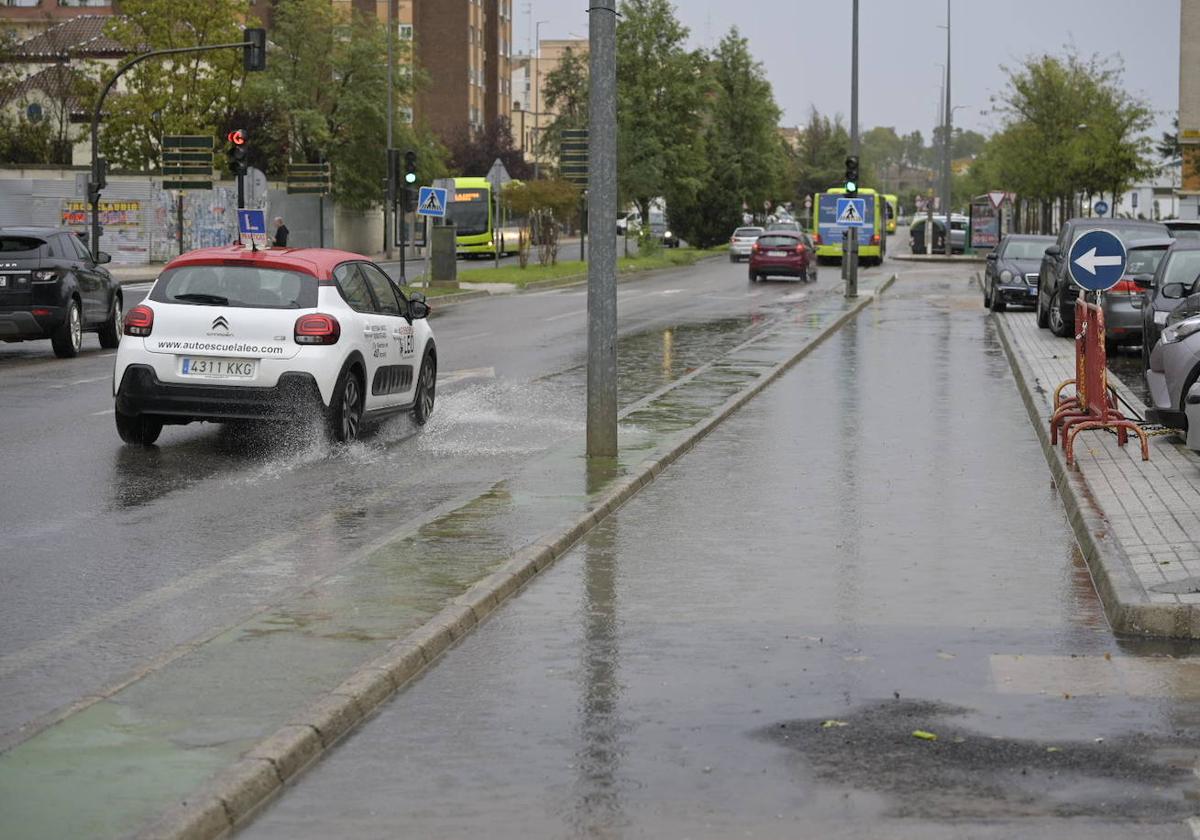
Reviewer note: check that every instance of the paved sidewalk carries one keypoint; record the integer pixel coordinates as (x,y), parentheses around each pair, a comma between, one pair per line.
(1138,521)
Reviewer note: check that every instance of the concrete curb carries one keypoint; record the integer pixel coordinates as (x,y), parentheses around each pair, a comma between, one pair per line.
(1126,603)
(936,258)
(239,790)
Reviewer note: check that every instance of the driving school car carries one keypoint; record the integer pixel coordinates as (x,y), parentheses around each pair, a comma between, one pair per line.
(228,334)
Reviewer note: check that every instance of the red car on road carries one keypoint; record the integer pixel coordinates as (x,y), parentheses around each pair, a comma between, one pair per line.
(783,253)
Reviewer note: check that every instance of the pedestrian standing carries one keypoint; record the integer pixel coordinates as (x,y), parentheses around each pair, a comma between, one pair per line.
(281,233)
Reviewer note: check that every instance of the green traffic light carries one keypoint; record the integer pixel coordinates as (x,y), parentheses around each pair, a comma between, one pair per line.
(410,177)
(851,186)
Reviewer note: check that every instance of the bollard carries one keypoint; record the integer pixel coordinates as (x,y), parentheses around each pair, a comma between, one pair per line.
(443,256)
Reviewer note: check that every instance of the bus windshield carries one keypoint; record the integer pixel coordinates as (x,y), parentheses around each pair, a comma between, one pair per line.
(469,212)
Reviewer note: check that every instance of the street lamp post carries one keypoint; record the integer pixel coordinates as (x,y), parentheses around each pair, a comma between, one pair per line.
(388,206)
(537,71)
(946,140)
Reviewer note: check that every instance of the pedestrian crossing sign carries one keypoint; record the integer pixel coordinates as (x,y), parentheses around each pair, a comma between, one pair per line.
(851,212)
(431,201)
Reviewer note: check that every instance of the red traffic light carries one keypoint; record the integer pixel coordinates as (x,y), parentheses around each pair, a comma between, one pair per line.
(237,137)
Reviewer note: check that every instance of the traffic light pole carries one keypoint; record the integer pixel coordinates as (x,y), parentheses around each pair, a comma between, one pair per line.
(241,182)
(852,238)
(94,185)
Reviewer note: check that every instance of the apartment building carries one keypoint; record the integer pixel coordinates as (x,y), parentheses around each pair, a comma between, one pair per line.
(27,18)
(530,113)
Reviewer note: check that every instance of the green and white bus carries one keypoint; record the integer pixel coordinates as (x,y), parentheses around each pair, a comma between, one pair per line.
(472,208)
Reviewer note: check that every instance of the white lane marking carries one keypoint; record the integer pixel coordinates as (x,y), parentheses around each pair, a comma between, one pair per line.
(573,314)
(671,291)
(106,355)
(467,373)
(81,382)
(472,336)
(104,412)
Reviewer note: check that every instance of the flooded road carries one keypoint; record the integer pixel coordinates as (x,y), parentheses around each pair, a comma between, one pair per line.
(116,558)
(856,609)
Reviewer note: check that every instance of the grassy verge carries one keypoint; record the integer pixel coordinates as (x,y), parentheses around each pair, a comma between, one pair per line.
(533,273)
(433,291)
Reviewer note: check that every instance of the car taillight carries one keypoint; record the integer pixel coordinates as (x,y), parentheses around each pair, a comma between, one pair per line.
(754,247)
(317,329)
(817,239)
(732,240)
(1125,287)
(875,239)
(800,248)
(139,321)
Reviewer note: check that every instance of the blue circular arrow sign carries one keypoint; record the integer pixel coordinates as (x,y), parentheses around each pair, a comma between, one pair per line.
(1096,260)
(1101,207)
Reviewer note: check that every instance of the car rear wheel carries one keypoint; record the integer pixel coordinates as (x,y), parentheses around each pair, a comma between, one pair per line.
(110,330)
(140,429)
(1043,318)
(68,338)
(426,390)
(987,295)
(344,418)
(997,304)
(752,276)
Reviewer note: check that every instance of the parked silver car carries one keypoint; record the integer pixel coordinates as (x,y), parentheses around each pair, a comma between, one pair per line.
(1174,375)
(742,241)
(1123,302)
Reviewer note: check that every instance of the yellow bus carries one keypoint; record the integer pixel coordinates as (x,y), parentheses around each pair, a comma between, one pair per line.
(872,243)
(472,208)
(891,205)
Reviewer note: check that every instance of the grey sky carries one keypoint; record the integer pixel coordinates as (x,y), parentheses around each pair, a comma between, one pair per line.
(805,47)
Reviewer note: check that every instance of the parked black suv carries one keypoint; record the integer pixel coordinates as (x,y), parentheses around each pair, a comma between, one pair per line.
(51,288)
(1056,292)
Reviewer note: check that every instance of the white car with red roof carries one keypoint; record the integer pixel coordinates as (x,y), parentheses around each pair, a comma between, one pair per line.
(230,334)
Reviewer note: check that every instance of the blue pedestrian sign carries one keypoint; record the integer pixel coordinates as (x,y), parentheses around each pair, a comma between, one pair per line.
(1100,207)
(431,201)
(851,212)
(1096,260)
(252,228)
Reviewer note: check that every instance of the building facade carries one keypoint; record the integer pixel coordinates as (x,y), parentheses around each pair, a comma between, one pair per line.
(530,113)
(27,18)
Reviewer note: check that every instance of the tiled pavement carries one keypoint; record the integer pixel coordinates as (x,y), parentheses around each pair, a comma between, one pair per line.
(1151,508)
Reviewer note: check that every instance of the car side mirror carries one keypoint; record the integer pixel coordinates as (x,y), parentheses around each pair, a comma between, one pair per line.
(1053,251)
(1144,281)
(991,257)
(1175,291)
(103,257)
(417,307)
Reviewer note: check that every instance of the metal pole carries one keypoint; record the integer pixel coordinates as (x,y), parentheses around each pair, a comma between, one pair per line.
(179,220)
(321,219)
(497,229)
(602,209)
(241,184)
(128,65)
(537,68)
(402,223)
(947,141)
(388,207)
(583,220)
(852,238)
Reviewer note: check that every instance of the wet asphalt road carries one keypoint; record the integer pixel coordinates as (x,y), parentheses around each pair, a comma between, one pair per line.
(115,556)
(869,549)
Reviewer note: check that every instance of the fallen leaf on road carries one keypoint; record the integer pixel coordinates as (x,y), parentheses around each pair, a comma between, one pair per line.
(924,736)
(830,724)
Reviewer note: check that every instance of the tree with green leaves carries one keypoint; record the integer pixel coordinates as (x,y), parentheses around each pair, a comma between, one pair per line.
(745,159)
(543,203)
(820,162)
(566,95)
(188,94)
(323,98)
(660,106)
(1070,127)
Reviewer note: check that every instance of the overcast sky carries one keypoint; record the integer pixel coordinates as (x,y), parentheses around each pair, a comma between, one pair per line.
(805,47)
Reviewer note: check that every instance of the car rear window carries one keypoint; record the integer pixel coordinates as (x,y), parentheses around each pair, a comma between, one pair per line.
(1144,260)
(15,246)
(236,285)
(769,241)
(748,231)
(1025,249)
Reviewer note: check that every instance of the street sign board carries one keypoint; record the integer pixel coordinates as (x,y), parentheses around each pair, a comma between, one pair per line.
(1096,260)
(252,228)
(431,201)
(1101,207)
(308,178)
(851,212)
(573,157)
(187,162)
(997,198)
(498,175)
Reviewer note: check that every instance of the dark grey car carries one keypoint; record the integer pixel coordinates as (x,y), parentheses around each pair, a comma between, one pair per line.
(1056,291)
(50,287)
(1011,272)
(1166,289)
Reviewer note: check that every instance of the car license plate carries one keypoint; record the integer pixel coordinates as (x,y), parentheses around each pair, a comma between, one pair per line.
(776,253)
(1033,291)
(3,282)
(217,368)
